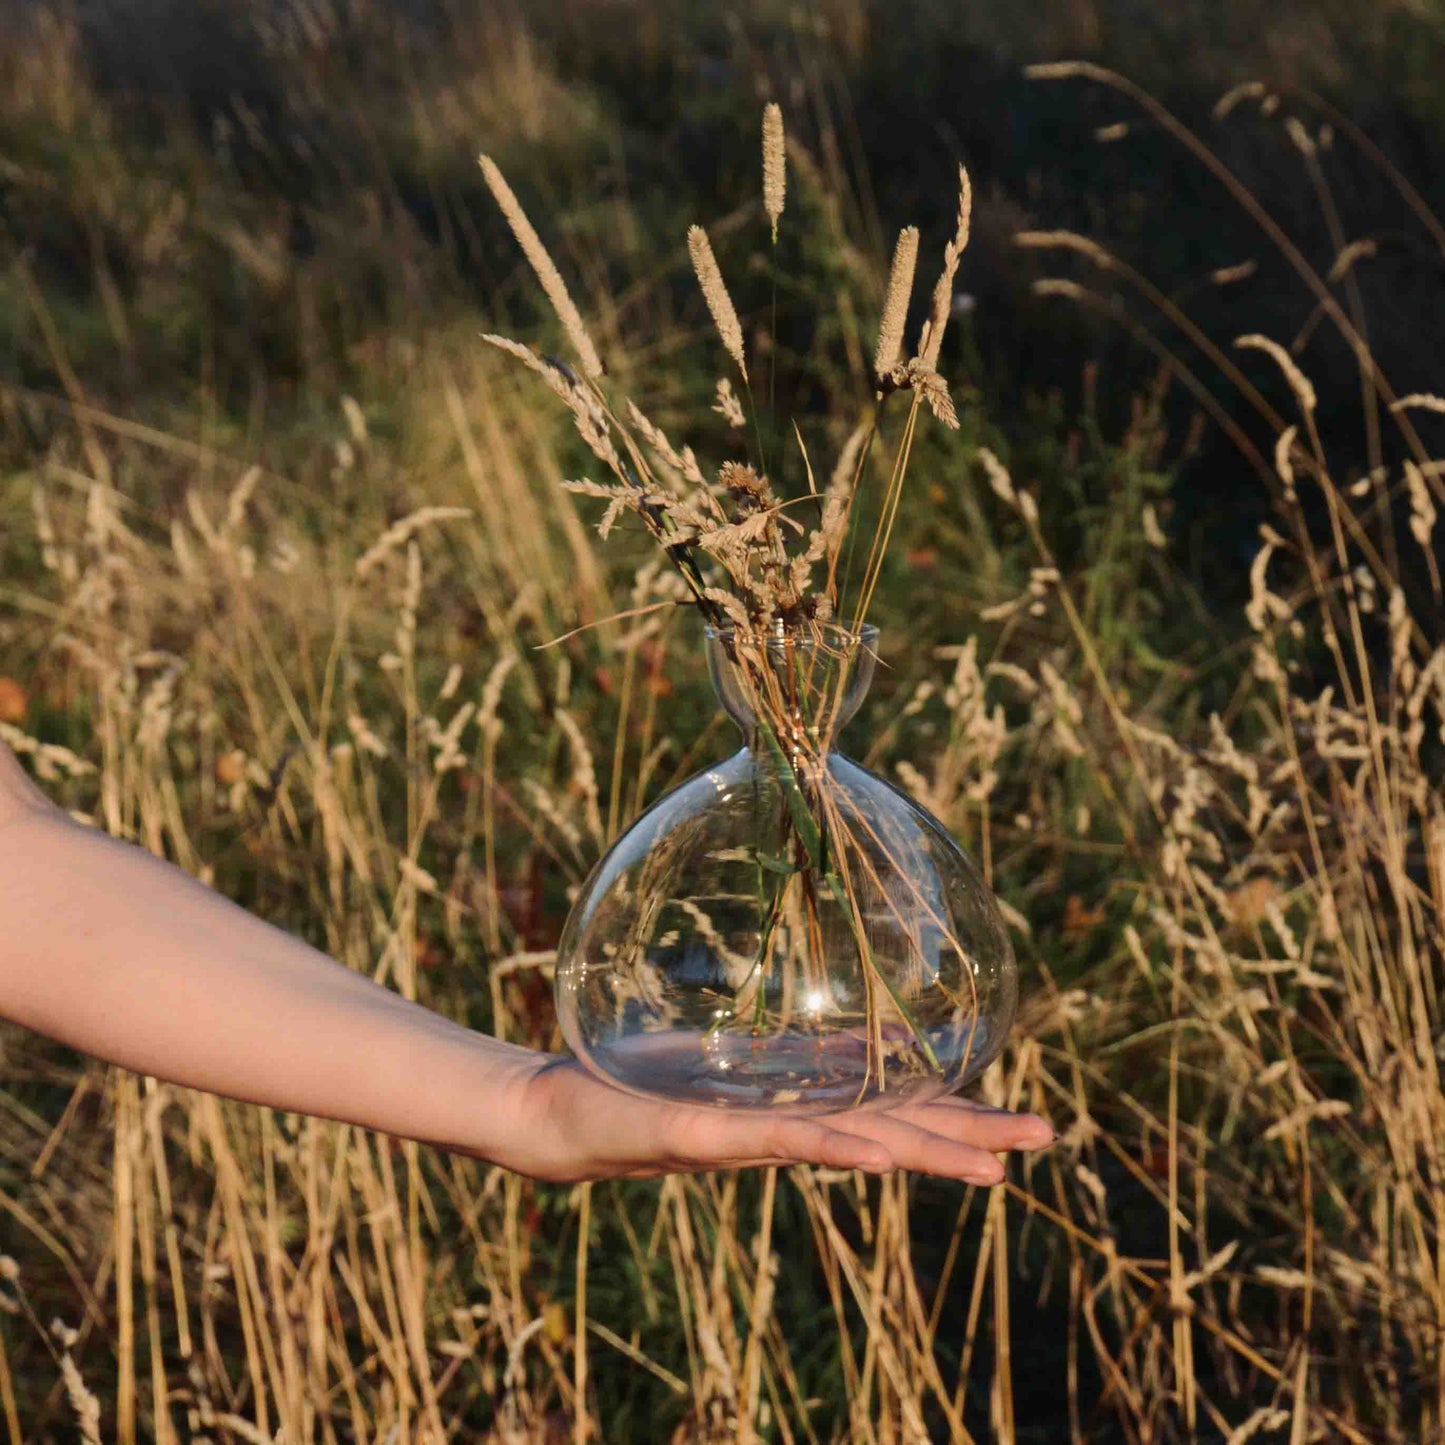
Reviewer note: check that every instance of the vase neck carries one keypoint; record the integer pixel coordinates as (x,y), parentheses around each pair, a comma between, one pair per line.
(791,691)
(766,759)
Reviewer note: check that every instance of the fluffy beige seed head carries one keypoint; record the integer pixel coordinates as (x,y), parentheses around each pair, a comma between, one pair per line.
(542,263)
(895,304)
(715,293)
(775,171)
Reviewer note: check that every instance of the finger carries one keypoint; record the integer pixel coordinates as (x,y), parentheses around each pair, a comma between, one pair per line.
(980,1125)
(926,1151)
(774,1161)
(742,1141)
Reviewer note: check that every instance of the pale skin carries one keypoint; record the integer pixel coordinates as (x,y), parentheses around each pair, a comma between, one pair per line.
(114,952)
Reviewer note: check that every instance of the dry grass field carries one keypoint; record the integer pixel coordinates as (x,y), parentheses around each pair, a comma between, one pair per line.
(1164,641)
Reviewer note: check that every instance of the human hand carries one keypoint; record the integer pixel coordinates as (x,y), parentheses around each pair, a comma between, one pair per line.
(567,1125)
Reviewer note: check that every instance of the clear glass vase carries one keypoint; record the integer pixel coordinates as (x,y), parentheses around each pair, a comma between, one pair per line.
(785,929)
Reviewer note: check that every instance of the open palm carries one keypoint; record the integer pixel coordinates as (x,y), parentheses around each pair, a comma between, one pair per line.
(569,1125)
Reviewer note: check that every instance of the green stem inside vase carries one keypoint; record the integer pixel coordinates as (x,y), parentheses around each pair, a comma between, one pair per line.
(813,834)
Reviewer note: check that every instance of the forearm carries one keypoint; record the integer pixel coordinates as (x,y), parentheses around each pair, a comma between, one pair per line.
(112,951)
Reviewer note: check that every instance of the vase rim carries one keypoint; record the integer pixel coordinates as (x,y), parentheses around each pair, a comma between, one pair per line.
(864,634)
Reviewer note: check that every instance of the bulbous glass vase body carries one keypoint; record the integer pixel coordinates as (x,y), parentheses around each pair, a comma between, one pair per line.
(786,929)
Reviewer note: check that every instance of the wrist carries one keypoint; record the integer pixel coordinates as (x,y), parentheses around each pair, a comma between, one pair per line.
(458,1089)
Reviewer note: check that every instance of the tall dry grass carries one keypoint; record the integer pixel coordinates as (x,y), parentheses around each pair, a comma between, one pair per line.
(322,695)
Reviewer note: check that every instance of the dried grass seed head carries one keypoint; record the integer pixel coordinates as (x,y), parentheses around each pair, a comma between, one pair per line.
(931,340)
(1299,383)
(775,169)
(588,411)
(1422,508)
(744,485)
(728,406)
(931,386)
(715,293)
(546,270)
(895,302)
(1422,400)
(682,463)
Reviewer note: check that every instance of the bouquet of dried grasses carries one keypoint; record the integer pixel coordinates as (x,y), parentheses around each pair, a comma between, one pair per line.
(776,595)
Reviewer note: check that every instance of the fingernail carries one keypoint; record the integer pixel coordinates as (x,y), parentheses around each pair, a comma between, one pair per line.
(1038,1132)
